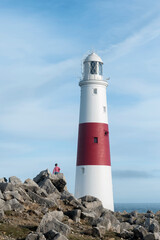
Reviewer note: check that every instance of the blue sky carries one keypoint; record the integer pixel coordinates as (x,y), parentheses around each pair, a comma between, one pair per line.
(42,45)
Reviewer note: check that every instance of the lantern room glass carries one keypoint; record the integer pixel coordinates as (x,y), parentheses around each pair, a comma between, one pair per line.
(93,68)
(100,68)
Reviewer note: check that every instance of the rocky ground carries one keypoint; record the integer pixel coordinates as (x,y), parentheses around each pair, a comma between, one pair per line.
(43,209)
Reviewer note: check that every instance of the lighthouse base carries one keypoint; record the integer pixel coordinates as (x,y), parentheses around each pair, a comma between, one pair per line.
(95,180)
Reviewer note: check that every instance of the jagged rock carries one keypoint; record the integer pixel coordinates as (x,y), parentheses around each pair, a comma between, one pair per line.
(8,195)
(69,199)
(1,195)
(24,195)
(152,225)
(53,235)
(2,203)
(15,205)
(98,231)
(58,181)
(139,232)
(41,200)
(52,221)
(1,214)
(92,204)
(35,236)
(35,189)
(30,182)
(7,207)
(7,187)
(42,175)
(131,220)
(152,236)
(15,180)
(126,226)
(48,186)
(90,217)
(134,214)
(3,180)
(109,221)
(74,214)
(59,236)
(127,234)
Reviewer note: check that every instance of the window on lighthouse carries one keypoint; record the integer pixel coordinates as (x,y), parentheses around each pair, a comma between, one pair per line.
(100,68)
(93,69)
(95,139)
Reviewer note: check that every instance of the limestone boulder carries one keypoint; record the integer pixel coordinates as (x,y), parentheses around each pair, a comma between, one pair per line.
(53,235)
(42,175)
(3,180)
(152,225)
(7,187)
(35,236)
(139,232)
(52,221)
(48,186)
(74,214)
(93,204)
(41,200)
(15,180)
(152,236)
(30,182)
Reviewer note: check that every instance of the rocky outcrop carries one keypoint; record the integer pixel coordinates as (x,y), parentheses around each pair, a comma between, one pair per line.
(57,214)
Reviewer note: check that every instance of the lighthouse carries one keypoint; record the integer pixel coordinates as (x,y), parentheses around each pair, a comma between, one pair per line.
(93,169)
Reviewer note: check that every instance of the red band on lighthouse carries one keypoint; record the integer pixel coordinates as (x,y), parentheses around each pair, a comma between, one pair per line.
(93,144)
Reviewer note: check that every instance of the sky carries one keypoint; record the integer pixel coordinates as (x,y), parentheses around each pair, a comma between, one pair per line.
(42,46)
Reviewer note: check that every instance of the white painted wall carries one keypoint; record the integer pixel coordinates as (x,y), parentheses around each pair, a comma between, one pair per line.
(92,105)
(95,181)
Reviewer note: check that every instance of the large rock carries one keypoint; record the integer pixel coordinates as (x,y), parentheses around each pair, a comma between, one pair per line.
(152,225)
(59,181)
(126,226)
(139,232)
(8,195)
(15,205)
(52,221)
(15,180)
(53,235)
(74,214)
(48,186)
(7,187)
(30,182)
(109,221)
(42,175)
(3,180)
(41,200)
(69,199)
(152,236)
(125,234)
(98,231)
(35,236)
(90,217)
(93,204)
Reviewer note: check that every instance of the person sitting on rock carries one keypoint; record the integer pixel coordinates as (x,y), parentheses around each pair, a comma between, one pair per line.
(56,169)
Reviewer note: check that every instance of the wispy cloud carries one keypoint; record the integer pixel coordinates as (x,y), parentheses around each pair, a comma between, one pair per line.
(129,174)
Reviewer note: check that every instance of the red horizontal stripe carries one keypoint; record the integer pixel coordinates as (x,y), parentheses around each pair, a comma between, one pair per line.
(89,152)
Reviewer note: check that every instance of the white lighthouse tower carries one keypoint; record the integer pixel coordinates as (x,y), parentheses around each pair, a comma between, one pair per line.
(93,170)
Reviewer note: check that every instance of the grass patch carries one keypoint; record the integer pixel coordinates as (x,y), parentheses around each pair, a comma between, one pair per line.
(18,232)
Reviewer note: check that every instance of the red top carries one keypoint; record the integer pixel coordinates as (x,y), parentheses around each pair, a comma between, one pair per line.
(56,169)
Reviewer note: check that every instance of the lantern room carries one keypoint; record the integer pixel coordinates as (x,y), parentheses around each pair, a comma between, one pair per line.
(93,67)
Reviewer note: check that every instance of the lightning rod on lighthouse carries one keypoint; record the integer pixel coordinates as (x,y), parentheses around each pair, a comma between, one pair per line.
(93,170)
